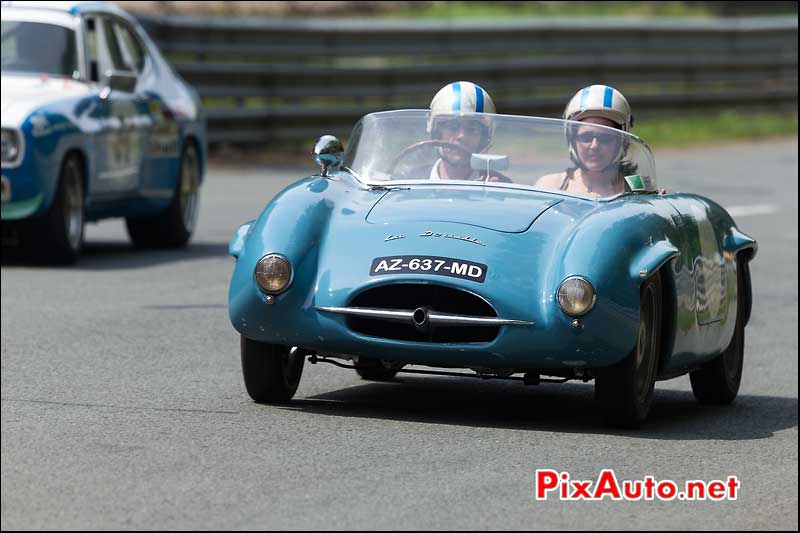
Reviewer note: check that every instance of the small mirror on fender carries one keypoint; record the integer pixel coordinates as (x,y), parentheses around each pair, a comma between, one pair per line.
(328,153)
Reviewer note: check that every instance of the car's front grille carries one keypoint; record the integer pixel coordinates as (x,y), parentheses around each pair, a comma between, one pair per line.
(429,298)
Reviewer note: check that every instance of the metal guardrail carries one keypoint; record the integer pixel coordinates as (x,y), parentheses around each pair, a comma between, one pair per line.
(265,80)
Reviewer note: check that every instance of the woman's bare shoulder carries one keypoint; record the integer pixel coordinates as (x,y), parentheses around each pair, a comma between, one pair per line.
(551,181)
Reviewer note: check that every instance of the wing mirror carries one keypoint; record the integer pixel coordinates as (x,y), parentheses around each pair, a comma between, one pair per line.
(119,80)
(328,153)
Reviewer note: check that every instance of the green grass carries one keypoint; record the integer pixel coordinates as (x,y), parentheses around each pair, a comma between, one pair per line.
(678,131)
(725,126)
(455,10)
(461,10)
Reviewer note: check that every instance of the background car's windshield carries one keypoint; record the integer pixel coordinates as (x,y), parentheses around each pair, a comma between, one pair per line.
(37,47)
(577,158)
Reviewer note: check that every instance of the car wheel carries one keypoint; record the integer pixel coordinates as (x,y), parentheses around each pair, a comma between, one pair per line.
(174,226)
(271,372)
(625,390)
(717,382)
(57,236)
(374,370)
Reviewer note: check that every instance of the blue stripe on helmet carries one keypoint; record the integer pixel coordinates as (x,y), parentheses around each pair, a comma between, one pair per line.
(479,102)
(584,96)
(457,96)
(607,97)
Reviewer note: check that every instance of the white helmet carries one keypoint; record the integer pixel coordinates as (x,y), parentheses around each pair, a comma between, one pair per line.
(462,97)
(600,101)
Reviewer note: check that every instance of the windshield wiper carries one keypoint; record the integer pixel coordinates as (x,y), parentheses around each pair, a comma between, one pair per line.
(388,188)
(636,193)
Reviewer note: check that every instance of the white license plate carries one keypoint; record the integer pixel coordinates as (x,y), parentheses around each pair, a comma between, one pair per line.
(428,264)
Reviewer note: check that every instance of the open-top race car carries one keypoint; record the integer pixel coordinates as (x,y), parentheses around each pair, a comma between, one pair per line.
(511,270)
(96,124)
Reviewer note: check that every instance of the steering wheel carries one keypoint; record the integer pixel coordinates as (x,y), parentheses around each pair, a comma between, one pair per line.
(422,144)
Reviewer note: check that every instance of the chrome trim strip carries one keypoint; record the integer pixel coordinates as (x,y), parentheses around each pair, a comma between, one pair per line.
(387,314)
(433,317)
(466,320)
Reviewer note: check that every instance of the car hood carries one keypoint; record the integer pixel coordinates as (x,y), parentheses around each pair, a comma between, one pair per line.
(496,208)
(334,231)
(22,94)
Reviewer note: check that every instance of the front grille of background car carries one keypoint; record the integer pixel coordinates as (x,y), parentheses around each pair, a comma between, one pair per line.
(410,296)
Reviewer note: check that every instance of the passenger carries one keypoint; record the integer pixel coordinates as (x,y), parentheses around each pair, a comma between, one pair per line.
(597,154)
(468,134)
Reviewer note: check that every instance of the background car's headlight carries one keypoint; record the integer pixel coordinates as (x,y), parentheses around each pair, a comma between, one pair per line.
(576,296)
(10,146)
(273,273)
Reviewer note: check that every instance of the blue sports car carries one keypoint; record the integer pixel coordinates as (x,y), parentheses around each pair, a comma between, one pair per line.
(95,124)
(542,251)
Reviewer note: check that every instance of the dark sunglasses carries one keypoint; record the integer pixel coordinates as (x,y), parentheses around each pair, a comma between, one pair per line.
(602,138)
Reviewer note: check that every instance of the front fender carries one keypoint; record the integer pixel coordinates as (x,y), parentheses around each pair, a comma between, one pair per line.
(616,246)
(652,258)
(291,225)
(47,138)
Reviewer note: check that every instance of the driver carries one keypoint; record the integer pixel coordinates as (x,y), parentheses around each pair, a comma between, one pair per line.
(466,134)
(597,154)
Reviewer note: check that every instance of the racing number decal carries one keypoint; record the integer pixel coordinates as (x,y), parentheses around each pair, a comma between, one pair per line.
(122,150)
(427,264)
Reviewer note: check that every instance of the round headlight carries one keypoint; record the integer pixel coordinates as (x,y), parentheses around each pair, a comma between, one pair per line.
(10,145)
(273,273)
(576,296)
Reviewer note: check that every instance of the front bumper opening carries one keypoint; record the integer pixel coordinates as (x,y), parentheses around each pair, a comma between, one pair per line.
(438,314)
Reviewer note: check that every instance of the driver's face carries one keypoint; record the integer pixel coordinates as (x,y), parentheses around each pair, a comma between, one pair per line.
(465,133)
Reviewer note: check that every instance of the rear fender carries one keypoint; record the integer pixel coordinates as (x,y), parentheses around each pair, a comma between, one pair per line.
(744,248)
(736,241)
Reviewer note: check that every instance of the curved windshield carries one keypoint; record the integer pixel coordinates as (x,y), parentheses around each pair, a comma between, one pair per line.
(577,158)
(37,47)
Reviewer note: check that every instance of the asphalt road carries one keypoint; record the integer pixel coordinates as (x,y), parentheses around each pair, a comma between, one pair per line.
(123,405)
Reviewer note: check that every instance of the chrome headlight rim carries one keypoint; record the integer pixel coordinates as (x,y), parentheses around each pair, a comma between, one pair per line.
(20,142)
(591,288)
(285,287)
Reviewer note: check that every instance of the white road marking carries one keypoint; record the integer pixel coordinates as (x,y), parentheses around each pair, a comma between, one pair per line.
(752,210)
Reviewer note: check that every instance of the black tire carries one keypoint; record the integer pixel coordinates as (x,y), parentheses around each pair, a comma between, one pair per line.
(271,372)
(57,236)
(373,370)
(625,390)
(173,227)
(717,382)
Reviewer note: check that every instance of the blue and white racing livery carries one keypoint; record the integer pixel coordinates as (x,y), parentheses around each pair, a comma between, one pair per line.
(95,124)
